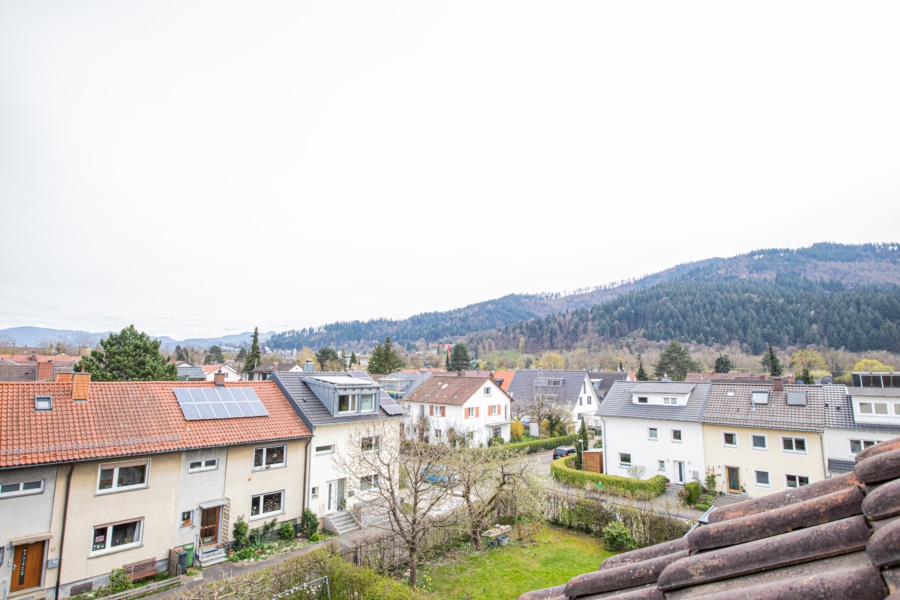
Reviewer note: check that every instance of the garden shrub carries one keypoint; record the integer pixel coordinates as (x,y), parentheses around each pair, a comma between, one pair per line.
(544,444)
(612,484)
(616,537)
(287,531)
(309,523)
(239,533)
(693,492)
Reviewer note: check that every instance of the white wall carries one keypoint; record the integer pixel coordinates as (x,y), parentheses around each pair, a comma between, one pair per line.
(631,436)
(837,441)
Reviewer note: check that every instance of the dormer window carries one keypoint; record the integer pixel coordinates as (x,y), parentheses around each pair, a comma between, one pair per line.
(43,403)
(670,401)
(367,402)
(347,403)
(642,399)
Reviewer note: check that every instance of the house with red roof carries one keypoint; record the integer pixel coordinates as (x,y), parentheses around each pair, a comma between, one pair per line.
(94,476)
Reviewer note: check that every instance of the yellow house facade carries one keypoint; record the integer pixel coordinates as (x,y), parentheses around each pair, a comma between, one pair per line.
(764,438)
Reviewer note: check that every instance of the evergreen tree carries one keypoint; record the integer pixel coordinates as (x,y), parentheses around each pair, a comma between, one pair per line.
(254,358)
(724,364)
(353,359)
(675,362)
(181,354)
(129,355)
(583,445)
(641,373)
(384,360)
(771,363)
(214,356)
(242,354)
(806,377)
(327,358)
(459,358)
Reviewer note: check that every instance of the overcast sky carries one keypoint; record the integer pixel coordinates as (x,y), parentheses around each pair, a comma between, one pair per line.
(201,168)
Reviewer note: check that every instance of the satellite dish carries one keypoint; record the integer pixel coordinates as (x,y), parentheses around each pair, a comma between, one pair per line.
(827,380)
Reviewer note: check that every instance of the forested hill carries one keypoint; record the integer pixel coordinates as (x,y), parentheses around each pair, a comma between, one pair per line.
(839,273)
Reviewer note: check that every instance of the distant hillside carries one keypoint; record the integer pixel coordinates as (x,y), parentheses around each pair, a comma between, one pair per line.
(41,336)
(846,267)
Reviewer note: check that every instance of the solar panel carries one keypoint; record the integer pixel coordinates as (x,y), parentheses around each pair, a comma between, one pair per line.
(392,409)
(219,403)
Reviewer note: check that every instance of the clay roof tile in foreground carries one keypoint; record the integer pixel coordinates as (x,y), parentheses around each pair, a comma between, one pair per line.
(837,538)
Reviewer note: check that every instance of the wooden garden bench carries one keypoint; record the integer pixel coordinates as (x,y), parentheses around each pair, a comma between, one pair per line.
(141,569)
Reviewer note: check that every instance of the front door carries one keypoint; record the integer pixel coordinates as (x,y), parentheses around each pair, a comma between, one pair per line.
(733,480)
(335,495)
(28,560)
(209,525)
(679,472)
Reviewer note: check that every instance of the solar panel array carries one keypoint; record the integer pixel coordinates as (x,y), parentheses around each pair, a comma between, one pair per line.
(219,403)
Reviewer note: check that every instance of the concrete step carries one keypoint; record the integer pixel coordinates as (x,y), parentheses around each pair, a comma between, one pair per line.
(340,522)
(211,556)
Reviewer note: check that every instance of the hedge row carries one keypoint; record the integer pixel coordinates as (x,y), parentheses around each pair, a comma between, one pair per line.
(613,484)
(544,444)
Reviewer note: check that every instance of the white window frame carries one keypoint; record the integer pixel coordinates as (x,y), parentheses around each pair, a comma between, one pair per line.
(107,536)
(487,390)
(496,432)
(643,400)
(470,412)
(662,465)
(187,522)
(43,403)
(725,439)
(793,449)
(204,465)
(323,450)
(369,482)
(261,504)
(765,440)
(370,443)
(314,491)
(353,403)
(668,400)
(677,436)
(873,409)
(115,477)
(797,483)
(756,475)
(366,403)
(622,462)
(37,487)
(863,444)
(265,452)
(653,434)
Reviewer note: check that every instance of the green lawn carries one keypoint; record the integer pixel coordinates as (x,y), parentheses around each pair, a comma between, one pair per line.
(506,572)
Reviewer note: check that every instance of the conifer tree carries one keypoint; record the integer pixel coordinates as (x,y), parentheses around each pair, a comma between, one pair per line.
(254,358)
(459,358)
(129,355)
(771,363)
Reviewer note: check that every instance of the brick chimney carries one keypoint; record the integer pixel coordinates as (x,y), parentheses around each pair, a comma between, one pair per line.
(777,384)
(219,378)
(45,370)
(81,387)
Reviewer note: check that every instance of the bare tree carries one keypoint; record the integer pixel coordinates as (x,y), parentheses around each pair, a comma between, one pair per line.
(545,408)
(496,484)
(405,483)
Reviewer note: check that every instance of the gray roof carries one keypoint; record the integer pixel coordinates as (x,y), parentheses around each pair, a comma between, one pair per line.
(522,387)
(729,404)
(604,380)
(839,410)
(874,392)
(617,402)
(186,372)
(311,409)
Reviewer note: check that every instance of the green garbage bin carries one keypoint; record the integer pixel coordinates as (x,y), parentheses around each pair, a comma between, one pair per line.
(189,548)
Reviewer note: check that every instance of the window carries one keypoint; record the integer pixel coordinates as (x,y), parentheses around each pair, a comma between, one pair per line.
(210,464)
(652,433)
(314,491)
(43,403)
(21,488)
(437,434)
(790,444)
(268,457)
(676,435)
(367,403)
(487,390)
(670,401)
(642,399)
(321,450)
(589,400)
(117,536)
(877,408)
(625,459)
(346,403)
(762,478)
(437,411)
(123,476)
(187,518)
(369,482)
(470,435)
(580,400)
(470,412)
(265,505)
(662,465)
(495,432)
(729,440)
(856,446)
(758,442)
(370,443)
(493,410)
(793,481)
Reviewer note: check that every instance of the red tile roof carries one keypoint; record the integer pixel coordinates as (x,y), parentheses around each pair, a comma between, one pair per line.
(127,418)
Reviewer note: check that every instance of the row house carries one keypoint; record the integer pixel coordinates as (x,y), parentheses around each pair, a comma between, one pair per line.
(333,405)
(453,409)
(95,475)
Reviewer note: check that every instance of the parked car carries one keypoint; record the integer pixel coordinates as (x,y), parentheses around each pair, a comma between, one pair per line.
(564,451)
(440,474)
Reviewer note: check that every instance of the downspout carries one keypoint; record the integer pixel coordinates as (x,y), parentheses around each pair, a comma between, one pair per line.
(306,477)
(605,448)
(824,459)
(62,535)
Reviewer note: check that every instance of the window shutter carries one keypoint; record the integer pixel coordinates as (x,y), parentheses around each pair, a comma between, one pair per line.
(431,410)
(476,412)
